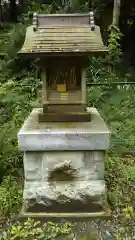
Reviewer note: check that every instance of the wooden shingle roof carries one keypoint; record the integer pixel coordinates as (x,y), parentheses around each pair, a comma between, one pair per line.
(63,33)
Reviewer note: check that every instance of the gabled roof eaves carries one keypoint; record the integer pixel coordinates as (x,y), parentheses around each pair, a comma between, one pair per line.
(63,33)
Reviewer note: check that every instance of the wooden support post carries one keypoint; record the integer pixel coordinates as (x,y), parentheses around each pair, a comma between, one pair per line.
(44,90)
(83,85)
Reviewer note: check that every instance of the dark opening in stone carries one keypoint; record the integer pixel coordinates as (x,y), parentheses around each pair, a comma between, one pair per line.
(69,207)
(64,173)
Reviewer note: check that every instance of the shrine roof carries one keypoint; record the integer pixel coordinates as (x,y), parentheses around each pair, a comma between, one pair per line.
(63,33)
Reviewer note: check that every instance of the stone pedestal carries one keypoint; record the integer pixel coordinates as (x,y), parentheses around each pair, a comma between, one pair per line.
(64,165)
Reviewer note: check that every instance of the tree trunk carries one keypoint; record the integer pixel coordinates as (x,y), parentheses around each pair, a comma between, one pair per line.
(116,12)
(13,11)
(0,13)
(90,4)
(22,2)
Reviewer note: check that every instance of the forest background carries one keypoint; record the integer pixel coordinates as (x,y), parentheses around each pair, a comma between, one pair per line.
(111,88)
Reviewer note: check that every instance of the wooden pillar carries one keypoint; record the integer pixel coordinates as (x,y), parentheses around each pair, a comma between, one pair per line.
(44,90)
(83,85)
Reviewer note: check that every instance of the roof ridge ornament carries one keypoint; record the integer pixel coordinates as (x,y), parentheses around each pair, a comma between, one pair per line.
(92,23)
(35,21)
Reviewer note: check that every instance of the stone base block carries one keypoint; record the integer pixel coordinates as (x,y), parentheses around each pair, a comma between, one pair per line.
(74,196)
(64,164)
(64,181)
(70,136)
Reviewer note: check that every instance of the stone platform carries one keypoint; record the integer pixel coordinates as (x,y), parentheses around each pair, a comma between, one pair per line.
(64,166)
(51,136)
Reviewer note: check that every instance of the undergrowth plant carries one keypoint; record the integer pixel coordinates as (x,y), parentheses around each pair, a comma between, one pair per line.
(18,96)
(35,230)
(10,196)
(125,224)
(30,230)
(17,99)
(114,45)
(120,175)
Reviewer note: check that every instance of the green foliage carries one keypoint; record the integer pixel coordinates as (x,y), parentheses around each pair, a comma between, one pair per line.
(120,175)
(74,7)
(37,7)
(17,99)
(18,94)
(30,230)
(79,6)
(116,102)
(10,196)
(114,45)
(14,38)
(105,69)
(127,228)
(119,114)
(116,105)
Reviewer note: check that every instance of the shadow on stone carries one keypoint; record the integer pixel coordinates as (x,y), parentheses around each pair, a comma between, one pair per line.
(65,173)
(73,206)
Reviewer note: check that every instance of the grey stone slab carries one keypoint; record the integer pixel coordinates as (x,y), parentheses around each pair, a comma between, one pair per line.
(35,136)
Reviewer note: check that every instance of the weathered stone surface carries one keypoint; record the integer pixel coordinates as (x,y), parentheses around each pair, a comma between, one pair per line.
(82,165)
(35,136)
(64,164)
(64,181)
(33,166)
(65,196)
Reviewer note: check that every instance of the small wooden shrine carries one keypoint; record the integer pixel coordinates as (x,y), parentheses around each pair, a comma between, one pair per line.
(64,162)
(63,43)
